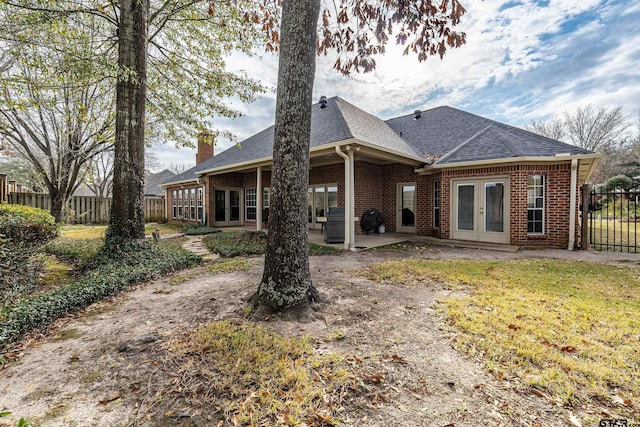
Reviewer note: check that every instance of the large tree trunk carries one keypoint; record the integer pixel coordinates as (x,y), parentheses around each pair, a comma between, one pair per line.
(127,211)
(286,281)
(58,202)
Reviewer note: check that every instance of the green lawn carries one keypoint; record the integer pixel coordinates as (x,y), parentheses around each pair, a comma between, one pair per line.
(568,330)
(615,235)
(98,231)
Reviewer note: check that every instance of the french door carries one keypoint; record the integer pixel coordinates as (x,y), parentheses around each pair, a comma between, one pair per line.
(480,209)
(227,209)
(406,208)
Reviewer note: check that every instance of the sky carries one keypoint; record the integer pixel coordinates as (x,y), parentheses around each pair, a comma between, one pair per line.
(523,61)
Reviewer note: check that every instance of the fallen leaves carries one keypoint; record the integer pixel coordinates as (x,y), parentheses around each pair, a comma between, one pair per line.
(110,399)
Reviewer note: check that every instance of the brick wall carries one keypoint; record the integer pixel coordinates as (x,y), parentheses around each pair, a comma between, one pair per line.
(557,181)
(376,187)
(170,201)
(228,180)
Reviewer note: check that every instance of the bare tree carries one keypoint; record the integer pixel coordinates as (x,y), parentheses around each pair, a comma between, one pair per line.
(554,128)
(99,174)
(595,130)
(178,168)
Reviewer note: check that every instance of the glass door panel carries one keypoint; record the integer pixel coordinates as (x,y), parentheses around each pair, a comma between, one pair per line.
(220,206)
(494,207)
(234,204)
(466,203)
(332,197)
(310,206)
(408,205)
(319,200)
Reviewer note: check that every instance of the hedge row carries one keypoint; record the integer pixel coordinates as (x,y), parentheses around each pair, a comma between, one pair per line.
(23,230)
(107,278)
(26,225)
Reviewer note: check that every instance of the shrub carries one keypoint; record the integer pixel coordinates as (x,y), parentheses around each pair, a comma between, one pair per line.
(109,272)
(22,231)
(199,230)
(26,225)
(20,271)
(230,244)
(243,243)
(76,252)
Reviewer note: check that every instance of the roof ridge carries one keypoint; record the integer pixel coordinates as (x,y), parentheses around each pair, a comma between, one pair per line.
(459,146)
(341,116)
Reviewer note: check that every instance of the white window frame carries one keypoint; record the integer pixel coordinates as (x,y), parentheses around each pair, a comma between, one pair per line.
(250,202)
(437,190)
(531,201)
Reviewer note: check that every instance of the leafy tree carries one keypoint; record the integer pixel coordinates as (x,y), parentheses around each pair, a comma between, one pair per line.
(357,30)
(619,182)
(22,171)
(174,48)
(53,114)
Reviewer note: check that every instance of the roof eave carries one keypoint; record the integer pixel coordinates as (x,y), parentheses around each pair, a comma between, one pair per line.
(264,161)
(508,160)
(181,182)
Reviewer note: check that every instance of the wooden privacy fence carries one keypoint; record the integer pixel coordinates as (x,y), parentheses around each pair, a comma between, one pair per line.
(88,209)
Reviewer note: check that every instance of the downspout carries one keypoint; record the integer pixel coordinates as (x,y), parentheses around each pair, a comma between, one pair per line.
(573,204)
(348,222)
(259,199)
(352,197)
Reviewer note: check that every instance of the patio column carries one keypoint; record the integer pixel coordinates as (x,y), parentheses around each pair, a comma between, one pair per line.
(352,203)
(259,199)
(573,204)
(347,199)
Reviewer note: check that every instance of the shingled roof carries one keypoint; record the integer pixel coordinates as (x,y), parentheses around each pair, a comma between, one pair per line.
(453,136)
(445,134)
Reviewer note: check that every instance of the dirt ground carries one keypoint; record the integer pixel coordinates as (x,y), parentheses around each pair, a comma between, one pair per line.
(98,367)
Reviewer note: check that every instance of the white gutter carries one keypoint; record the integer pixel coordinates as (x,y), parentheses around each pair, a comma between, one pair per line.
(572,204)
(258,199)
(348,221)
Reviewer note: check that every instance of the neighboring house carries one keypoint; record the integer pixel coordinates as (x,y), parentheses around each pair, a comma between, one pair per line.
(442,172)
(4,187)
(152,183)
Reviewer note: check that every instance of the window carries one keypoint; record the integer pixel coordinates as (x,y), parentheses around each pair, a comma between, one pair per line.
(320,198)
(199,196)
(192,204)
(436,204)
(180,204)
(535,205)
(174,203)
(266,196)
(250,204)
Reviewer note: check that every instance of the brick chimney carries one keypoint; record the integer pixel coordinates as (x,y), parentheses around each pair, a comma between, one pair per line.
(205,147)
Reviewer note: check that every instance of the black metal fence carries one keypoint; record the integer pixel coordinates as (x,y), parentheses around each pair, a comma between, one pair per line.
(614,218)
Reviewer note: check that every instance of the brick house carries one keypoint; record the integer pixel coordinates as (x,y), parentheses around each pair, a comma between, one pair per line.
(442,172)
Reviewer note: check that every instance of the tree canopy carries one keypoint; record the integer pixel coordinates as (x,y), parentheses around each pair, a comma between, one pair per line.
(189,40)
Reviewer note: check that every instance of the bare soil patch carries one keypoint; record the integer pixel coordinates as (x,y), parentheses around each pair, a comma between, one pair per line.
(104,366)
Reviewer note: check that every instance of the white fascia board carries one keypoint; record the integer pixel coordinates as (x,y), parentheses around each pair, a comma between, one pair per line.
(356,142)
(184,181)
(505,161)
(264,161)
(268,160)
